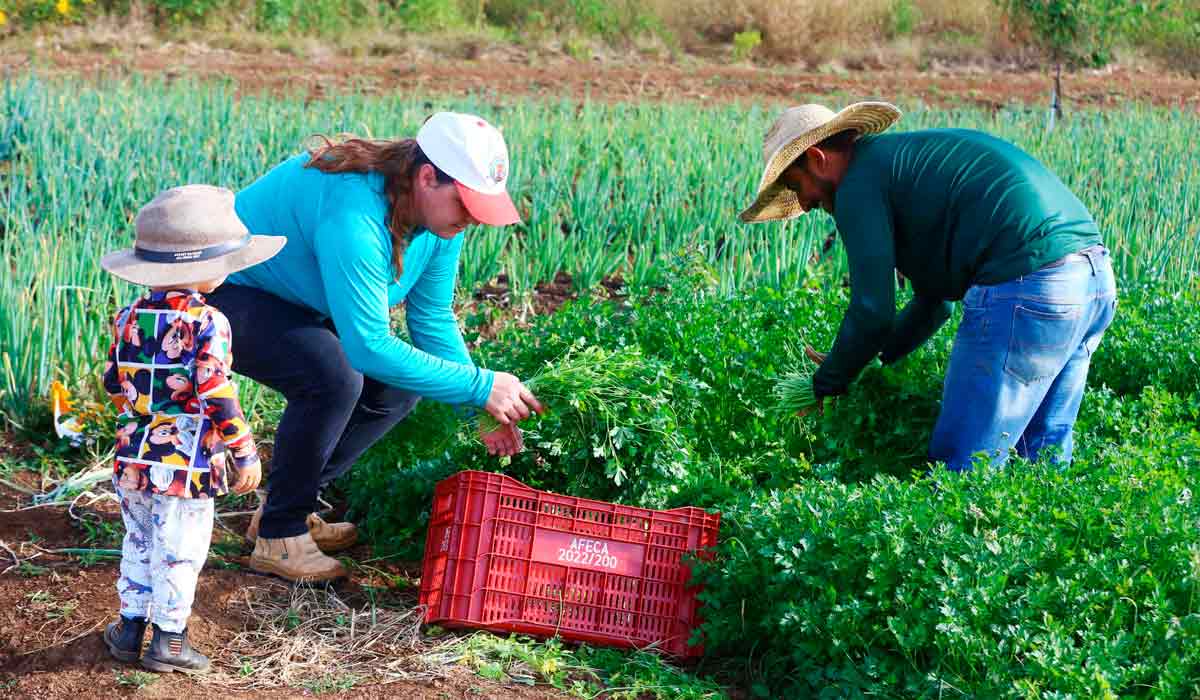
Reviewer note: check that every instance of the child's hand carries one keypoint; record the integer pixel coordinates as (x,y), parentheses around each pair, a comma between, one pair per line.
(247,479)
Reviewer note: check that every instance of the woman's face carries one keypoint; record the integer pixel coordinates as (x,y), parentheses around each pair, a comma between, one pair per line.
(437,206)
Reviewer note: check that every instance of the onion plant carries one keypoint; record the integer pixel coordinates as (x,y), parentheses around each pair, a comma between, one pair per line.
(605,191)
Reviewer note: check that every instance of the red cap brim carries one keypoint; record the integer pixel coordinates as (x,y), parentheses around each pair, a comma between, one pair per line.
(490,209)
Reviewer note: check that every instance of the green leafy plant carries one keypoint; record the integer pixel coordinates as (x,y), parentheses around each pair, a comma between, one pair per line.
(904,17)
(794,393)
(136,679)
(331,683)
(101,533)
(744,44)
(178,12)
(432,15)
(606,403)
(29,570)
(585,672)
(1022,581)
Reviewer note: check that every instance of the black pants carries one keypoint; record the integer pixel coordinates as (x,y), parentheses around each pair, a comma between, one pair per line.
(333,412)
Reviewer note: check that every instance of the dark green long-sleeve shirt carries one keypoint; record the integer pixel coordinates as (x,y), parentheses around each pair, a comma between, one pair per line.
(948,208)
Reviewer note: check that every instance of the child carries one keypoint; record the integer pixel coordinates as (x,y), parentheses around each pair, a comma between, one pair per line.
(175,428)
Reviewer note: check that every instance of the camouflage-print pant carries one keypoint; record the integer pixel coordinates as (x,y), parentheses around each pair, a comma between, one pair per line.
(166,544)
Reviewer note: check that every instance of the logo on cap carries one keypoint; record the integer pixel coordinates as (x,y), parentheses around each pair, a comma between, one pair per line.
(498,170)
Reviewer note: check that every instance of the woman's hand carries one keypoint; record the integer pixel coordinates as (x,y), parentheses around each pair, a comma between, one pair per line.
(504,441)
(510,400)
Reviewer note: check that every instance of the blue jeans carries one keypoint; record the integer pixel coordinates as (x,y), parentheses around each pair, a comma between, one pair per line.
(1020,362)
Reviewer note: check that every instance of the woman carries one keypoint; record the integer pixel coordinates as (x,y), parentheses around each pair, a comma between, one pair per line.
(370,224)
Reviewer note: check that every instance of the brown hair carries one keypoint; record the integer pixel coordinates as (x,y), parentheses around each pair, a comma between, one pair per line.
(397,160)
(841,142)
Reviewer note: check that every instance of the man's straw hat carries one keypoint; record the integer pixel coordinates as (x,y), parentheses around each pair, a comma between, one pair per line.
(793,133)
(189,234)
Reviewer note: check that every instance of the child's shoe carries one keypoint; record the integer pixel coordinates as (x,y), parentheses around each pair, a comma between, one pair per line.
(124,638)
(170,651)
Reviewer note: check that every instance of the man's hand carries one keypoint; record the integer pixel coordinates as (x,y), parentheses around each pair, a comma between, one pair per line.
(504,441)
(818,409)
(247,479)
(817,357)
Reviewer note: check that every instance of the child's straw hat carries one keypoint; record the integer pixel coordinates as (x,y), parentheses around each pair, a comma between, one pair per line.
(189,234)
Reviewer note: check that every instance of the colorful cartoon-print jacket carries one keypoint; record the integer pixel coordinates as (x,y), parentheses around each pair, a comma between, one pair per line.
(181,427)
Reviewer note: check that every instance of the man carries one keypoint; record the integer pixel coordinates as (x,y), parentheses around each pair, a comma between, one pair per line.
(963,216)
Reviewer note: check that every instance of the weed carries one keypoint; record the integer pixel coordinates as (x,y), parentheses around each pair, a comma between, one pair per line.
(744,44)
(331,683)
(39,597)
(136,679)
(52,608)
(29,569)
(101,533)
(585,672)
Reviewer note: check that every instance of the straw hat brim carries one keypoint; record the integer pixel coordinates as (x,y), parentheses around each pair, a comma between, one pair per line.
(774,202)
(126,265)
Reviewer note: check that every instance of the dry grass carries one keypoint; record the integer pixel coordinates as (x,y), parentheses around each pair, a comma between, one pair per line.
(820,30)
(310,637)
(868,34)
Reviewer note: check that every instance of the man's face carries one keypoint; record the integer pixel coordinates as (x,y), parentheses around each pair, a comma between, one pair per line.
(813,190)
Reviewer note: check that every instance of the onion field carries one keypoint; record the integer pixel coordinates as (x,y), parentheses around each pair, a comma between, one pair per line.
(848,565)
(606,191)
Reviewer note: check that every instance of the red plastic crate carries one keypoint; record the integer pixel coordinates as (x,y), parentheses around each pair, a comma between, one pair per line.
(502,556)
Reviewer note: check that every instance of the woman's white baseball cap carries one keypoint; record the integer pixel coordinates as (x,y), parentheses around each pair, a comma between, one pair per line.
(471,151)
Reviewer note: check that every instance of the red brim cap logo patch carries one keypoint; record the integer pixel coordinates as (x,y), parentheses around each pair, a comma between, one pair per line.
(498,170)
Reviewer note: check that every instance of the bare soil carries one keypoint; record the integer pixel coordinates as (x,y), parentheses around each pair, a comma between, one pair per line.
(508,71)
(53,612)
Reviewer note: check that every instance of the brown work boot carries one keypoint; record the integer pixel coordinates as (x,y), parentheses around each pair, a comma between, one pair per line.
(330,537)
(295,559)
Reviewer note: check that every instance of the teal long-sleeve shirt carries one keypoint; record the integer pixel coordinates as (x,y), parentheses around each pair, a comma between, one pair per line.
(948,208)
(337,262)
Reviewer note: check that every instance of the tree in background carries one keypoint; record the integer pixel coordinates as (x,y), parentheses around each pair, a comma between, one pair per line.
(1079,32)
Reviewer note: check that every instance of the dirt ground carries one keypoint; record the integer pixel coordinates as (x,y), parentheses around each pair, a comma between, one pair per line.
(53,611)
(507,71)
